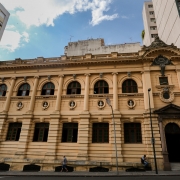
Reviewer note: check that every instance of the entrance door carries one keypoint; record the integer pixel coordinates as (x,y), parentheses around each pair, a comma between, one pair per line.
(172,132)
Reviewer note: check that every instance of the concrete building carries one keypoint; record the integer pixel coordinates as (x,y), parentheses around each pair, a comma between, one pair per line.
(4,16)
(97,46)
(50,107)
(150,26)
(166,20)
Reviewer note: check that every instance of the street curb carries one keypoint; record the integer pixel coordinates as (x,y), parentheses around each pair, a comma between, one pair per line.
(87,175)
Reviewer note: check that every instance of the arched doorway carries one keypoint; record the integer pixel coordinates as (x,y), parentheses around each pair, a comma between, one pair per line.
(172,132)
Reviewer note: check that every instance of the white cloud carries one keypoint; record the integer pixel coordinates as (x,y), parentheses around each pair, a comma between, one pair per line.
(10,27)
(124,17)
(39,12)
(11,40)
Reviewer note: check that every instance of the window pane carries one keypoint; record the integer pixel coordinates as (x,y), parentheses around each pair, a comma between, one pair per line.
(70,131)
(129,86)
(48,92)
(41,132)
(100,133)
(163,80)
(132,133)
(74,88)
(14,131)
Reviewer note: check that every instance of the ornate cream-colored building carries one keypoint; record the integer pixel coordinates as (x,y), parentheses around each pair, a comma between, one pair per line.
(50,107)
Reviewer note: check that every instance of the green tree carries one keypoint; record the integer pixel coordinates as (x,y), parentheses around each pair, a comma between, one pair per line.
(142,34)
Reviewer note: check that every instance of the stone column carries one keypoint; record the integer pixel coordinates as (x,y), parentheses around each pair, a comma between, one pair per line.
(83,129)
(167,166)
(53,138)
(86,94)
(8,99)
(83,141)
(146,77)
(178,75)
(33,96)
(24,137)
(59,94)
(115,92)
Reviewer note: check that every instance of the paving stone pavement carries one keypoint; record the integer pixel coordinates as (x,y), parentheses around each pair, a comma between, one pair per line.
(90,174)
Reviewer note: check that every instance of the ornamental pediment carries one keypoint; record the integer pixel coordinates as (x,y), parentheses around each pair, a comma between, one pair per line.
(158,47)
(169,109)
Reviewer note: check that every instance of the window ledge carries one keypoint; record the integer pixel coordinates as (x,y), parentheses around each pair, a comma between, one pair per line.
(46,96)
(73,96)
(2,98)
(20,97)
(162,86)
(100,95)
(130,94)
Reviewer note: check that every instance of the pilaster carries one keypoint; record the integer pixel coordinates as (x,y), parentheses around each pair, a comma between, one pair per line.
(115,92)
(33,96)
(178,75)
(167,166)
(146,77)
(59,94)
(83,138)
(86,94)
(53,137)
(8,99)
(118,132)
(24,137)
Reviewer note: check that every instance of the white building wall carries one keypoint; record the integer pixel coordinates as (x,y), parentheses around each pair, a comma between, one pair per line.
(4,16)
(168,21)
(97,46)
(147,24)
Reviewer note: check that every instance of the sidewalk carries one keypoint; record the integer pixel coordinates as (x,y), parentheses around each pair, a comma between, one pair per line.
(90,174)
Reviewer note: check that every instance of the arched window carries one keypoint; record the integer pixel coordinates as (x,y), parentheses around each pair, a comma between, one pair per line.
(24,90)
(101,87)
(48,89)
(129,86)
(74,88)
(3,89)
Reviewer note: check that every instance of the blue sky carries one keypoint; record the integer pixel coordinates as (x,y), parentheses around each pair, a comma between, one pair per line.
(43,27)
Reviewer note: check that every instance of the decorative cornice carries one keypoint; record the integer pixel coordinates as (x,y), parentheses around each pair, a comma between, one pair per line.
(46,96)
(100,95)
(73,96)
(2,98)
(96,59)
(131,94)
(20,97)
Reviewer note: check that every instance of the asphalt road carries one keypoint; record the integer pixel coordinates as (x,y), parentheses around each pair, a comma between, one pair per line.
(92,178)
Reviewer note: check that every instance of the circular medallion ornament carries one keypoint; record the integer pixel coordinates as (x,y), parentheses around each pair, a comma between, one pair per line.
(131,103)
(100,104)
(19,105)
(166,95)
(72,104)
(45,105)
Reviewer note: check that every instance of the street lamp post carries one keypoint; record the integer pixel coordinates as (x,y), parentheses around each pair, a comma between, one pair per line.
(108,101)
(152,139)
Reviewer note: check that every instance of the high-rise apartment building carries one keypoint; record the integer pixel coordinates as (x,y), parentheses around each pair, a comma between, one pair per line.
(162,18)
(150,26)
(4,16)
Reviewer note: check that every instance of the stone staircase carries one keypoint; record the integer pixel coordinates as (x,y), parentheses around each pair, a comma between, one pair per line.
(175,166)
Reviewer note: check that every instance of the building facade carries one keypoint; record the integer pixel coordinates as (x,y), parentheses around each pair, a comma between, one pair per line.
(52,107)
(97,46)
(162,18)
(4,16)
